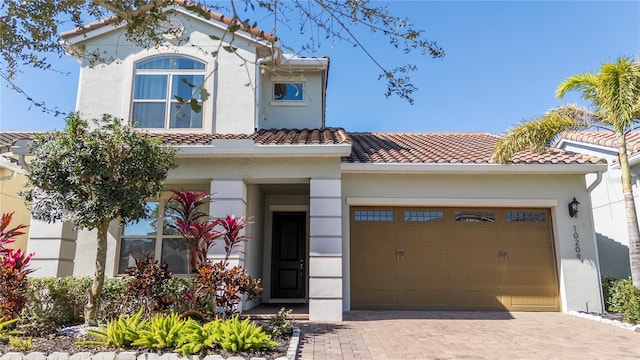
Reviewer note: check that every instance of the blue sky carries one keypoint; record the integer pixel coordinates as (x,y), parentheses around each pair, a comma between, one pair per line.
(503,61)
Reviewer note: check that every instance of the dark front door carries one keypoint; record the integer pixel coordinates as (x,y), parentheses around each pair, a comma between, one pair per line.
(288,272)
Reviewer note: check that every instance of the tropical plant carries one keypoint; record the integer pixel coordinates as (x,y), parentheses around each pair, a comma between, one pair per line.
(147,281)
(614,94)
(22,344)
(8,234)
(243,335)
(91,176)
(121,332)
(13,270)
(195,226)
(217,287)
(226,286)
(7,330)
(162,331)
(196,337)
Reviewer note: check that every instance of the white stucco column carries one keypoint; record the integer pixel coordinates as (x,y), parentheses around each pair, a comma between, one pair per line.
(325,250)
(229,197)
(54,246)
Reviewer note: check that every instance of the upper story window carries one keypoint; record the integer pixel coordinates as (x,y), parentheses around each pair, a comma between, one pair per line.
(288,92)
(157,82)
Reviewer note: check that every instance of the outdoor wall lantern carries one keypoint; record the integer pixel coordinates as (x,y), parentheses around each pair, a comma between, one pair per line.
(573,208)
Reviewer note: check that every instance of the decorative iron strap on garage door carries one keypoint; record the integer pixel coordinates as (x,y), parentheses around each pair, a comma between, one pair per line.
(452,258)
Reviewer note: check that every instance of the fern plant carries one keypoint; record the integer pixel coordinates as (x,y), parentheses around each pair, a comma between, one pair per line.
(20,343)
(196,337)
(243,335)
(5,331)
(121,332)
(161,332)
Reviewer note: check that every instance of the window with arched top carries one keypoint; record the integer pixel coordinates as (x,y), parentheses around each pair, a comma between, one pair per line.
(157,82)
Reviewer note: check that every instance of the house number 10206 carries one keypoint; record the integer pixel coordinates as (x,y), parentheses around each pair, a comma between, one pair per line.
(576,237)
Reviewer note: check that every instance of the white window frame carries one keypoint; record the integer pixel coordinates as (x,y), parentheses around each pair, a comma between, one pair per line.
(168,100)
(159,237)
(288,80)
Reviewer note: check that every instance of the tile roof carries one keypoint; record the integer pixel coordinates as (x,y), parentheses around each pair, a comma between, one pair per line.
(604,138)
(376,147)
(447,148)
(327,136)
(184,3)
(9,138)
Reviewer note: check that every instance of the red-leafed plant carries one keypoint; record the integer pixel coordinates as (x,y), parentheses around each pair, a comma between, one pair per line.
(13,270)
(217,287)
(146,283)
(195,226)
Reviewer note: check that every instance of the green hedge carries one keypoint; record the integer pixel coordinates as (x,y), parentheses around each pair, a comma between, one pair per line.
(621,296)
(55,303)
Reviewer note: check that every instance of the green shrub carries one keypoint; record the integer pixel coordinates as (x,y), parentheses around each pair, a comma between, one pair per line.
(281,326)
(607,284)
(58,302)
(622,297)
(54,303)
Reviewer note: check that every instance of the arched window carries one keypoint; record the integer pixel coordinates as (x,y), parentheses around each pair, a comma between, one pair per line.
(157,82)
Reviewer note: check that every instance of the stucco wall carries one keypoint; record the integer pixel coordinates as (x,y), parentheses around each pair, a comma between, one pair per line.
(578,279)
(275,115)
(106,87)
(609,213)
(10,201)
(280,169)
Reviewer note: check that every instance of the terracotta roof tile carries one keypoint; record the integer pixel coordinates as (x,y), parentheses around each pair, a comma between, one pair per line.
(446,148)
(376,147)
(184,3)
(604,138)
(9,138)
(261,137)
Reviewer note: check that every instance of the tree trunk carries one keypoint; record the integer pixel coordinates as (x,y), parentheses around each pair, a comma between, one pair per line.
(630,207)
(91,309)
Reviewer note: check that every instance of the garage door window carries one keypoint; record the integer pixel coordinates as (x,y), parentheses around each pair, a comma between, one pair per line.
(423,216)
(475,216)
(524,216)
(373,215)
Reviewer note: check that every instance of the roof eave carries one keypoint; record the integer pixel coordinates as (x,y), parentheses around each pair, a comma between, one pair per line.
(92,33)
(483,168)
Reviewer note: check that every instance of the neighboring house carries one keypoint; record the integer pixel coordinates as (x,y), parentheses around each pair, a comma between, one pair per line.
(11,183)
(341,220)
(607,200)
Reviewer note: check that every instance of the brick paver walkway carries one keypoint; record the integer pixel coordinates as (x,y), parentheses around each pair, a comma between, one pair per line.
(400,335)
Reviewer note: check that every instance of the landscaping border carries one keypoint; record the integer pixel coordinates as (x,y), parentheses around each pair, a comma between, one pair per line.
(292,352)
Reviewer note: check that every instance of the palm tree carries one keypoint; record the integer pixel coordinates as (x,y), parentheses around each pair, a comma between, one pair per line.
(614,94)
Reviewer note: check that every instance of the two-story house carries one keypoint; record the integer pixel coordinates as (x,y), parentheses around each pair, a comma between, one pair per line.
(341,220)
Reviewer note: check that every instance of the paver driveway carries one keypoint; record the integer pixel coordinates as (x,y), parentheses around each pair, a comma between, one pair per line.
(465,335)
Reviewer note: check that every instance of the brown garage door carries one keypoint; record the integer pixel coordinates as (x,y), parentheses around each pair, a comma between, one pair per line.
(452,258)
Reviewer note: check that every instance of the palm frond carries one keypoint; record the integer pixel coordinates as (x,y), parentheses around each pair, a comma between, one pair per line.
(538,134)
(618,89)
(587,83)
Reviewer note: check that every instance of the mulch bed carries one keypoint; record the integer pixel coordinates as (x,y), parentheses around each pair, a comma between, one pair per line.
(68,344)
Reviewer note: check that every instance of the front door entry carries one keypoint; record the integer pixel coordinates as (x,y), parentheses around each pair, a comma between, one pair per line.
(288,270)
